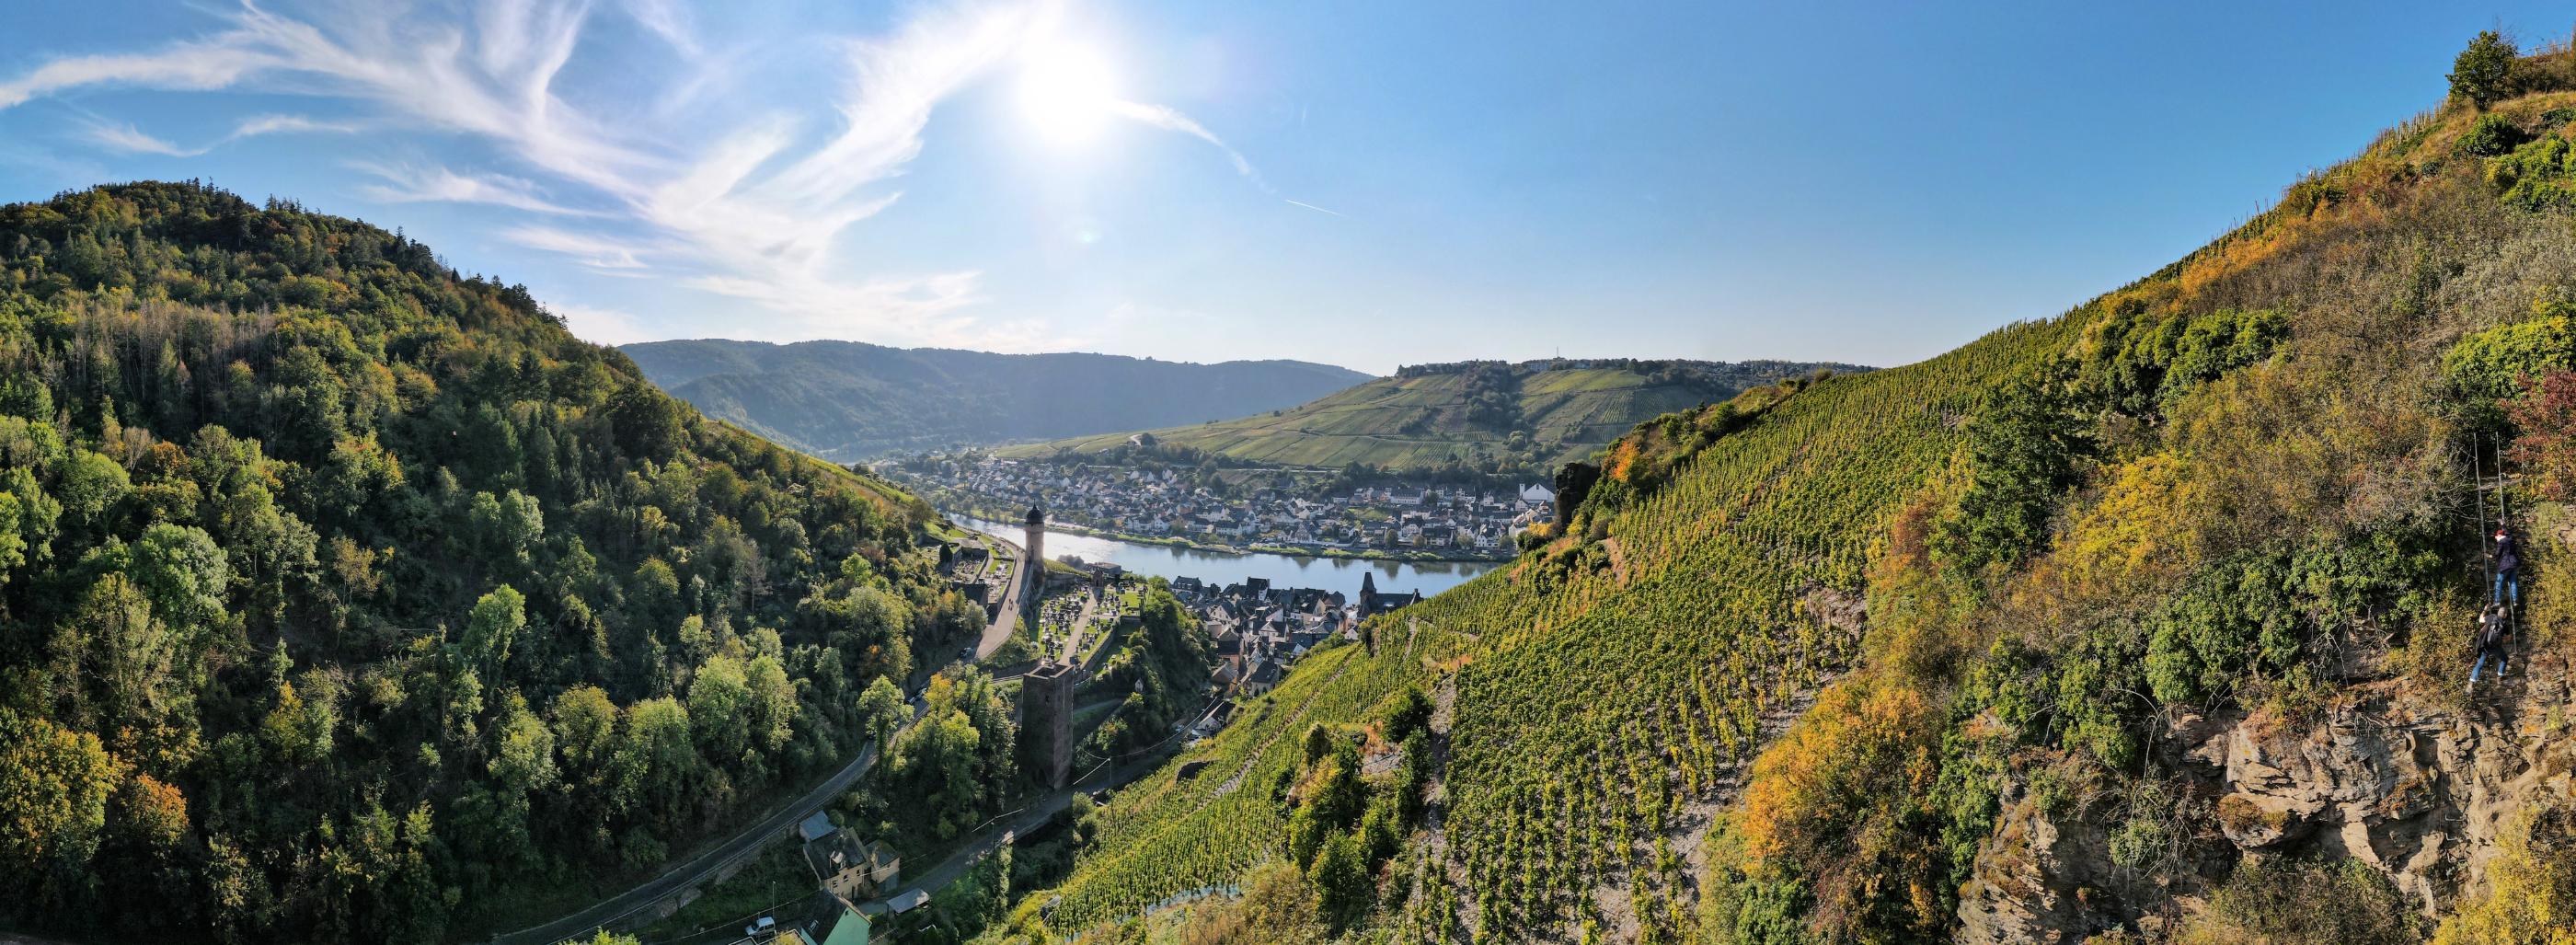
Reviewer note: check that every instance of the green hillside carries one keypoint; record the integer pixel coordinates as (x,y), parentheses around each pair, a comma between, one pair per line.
(345,598)
(846,401)
(1935,653)
(1533,413)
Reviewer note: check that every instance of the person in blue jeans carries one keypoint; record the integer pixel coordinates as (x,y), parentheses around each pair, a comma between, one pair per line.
(2490,642)
(2506,588)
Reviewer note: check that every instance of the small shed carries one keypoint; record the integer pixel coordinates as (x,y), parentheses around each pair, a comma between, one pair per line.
(818,825)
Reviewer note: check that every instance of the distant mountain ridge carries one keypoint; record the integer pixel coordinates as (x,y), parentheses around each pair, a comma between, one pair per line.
(1484,415)
(847,400)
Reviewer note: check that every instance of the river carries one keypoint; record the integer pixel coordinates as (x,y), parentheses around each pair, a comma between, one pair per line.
(1218,568)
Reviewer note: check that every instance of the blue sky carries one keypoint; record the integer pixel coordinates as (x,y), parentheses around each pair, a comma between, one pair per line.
(1365,184)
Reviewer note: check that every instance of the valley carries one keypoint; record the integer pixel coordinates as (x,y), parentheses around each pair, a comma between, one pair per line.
(349,595)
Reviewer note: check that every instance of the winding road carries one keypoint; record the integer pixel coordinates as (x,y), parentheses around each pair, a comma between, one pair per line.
(997,631)
(697,868)
(1027,818)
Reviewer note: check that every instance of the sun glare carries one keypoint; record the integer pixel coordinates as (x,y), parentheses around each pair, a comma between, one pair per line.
(1067,92)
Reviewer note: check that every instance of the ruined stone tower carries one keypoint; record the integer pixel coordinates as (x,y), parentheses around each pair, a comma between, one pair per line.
(1046,722)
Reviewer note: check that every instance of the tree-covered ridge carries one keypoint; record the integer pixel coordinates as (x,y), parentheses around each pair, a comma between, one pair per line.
(342,596)
(848,401)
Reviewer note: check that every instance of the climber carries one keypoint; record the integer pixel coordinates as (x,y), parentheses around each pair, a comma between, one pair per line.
(2490,642)
(2506,587)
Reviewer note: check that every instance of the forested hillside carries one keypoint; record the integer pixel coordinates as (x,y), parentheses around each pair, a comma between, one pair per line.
(345,598)
(2147,622)
(1485,416)
(848,401)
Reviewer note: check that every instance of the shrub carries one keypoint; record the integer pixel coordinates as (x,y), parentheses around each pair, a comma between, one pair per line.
(2486,368)
(2026,448)
(1836,800)
(2546,448)
(2531,884)
(2259,615)
(2491,136)
(2535,176)
(2289,902)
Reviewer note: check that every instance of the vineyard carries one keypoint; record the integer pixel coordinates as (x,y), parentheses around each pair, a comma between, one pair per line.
(1816,663)
(1598,721)
(1591,715)
(1526,413)
(1168,833)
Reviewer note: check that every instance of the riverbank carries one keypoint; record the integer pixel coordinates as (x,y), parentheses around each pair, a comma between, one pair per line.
(1173,561)
(1449,556)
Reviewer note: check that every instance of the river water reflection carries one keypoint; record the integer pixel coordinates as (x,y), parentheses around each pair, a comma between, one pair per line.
(1331,574)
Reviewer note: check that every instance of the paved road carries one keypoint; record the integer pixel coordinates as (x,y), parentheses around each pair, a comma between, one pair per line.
(1017,822)
(698,867)
(998,630)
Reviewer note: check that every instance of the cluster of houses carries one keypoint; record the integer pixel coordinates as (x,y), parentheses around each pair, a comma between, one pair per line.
(1259,631)
(848,871)
(1161,503)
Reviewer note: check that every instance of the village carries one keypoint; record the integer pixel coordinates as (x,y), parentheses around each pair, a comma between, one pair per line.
(1276,512)
(1256,631)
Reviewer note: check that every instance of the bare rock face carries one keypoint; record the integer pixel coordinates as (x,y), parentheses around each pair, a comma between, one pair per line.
(2375,780)
(2402,783)
(2021,890)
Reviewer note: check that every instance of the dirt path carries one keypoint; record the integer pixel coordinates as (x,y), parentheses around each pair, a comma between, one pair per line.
(1255,757)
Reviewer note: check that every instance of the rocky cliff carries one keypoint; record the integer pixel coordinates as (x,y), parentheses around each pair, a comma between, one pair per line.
(2419,786)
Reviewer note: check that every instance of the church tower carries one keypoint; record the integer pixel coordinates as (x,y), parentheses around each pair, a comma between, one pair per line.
(1368,594)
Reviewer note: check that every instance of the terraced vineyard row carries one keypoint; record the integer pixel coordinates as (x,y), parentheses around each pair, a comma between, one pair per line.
(1592,713)
(1169,833)
(1597,714)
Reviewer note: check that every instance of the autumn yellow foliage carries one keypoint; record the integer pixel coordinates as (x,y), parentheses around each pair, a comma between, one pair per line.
(1830,798)
(2531,886)
(2141,530)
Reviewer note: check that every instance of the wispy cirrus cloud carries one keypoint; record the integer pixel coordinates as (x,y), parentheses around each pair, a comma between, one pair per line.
(597,252)
(749,209)
(1169,119)
(119,136)
(405,183)
(125,137)
(207,64)
(670,20)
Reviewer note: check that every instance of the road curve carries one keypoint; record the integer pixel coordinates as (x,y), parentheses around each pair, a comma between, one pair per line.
(996,632)
(1029,817)
(697,867)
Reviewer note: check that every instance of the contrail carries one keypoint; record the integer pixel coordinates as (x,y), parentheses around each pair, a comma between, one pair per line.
(1317,209)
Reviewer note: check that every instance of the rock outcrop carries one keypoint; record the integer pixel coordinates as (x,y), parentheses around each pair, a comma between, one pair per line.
(2406,783)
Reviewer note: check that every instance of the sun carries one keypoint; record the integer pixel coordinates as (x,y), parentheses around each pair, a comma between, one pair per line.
(1067,92)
